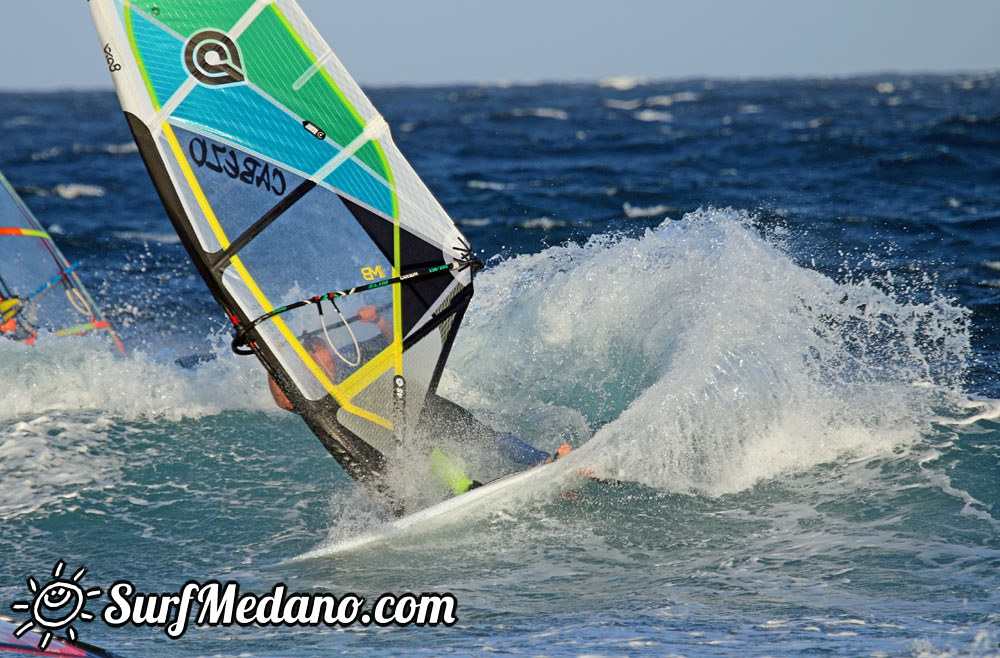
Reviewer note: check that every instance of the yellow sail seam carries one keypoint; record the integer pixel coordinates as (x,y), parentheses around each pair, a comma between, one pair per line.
(258,294)
(127,10)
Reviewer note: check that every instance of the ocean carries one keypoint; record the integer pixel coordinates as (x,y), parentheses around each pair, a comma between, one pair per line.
(769,308)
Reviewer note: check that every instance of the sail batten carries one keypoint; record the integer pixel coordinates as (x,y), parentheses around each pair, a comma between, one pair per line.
(284,183)
(266,220)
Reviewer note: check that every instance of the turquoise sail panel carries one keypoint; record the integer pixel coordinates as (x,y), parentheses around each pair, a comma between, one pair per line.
(162,55)
(240,115)
(236,113)
(356,181)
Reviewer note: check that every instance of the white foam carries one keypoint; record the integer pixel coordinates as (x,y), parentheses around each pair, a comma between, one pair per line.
(52,459)
(542,113)
(47,154)
(622,83)
(542,223)
(69,190)
(64,397)
(662,101)
(634,212)
(485,185)
(704,357)
(82,373)
(653,116)
(147,236)
(121,149)
(475,221)
(616,104)
(983,408)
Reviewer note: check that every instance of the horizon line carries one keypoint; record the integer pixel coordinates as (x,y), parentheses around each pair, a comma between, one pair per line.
(606,81)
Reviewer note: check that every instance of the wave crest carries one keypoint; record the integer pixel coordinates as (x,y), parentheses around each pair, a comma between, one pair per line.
(704,357)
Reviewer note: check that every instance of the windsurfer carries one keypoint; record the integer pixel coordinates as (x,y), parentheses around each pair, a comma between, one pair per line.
(10,327)
(438,412)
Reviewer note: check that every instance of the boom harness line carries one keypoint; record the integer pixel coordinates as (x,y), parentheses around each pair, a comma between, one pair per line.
(73,294)
(242,338)
(357,348)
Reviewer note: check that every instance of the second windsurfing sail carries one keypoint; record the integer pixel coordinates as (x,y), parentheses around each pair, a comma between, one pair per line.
(40,291)
(338,267)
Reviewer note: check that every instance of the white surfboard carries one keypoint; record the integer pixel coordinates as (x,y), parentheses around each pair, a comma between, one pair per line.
(449,511)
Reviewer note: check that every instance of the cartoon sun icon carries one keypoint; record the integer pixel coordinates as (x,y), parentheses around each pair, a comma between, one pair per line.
(56,605)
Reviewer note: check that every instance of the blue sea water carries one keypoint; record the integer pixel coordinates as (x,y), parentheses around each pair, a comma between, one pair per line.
(769,308)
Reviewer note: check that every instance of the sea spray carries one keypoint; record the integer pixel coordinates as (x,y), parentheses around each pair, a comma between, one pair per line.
(82,373)
(704,356)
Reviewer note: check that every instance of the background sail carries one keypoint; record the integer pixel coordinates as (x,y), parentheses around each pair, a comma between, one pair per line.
(34,270)
(284,183)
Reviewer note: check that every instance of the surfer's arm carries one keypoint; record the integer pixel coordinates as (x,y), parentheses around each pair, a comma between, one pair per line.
(369,313)
(443,412)
(279,396)
(517,450)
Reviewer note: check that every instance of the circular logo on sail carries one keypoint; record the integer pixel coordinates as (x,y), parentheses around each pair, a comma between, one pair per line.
(213,58)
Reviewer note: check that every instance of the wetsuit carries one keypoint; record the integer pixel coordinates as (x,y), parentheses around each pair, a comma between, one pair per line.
(441,412)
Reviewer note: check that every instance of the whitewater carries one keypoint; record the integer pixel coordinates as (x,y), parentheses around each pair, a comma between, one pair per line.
(795,387)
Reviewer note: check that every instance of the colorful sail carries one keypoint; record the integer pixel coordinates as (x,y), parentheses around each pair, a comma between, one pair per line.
(340,270)
(26,640)
(40,290)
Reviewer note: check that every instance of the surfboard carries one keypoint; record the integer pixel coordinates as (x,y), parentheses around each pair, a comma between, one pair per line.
(449,511)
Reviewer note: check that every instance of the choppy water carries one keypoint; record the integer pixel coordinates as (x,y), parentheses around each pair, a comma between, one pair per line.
(769,307)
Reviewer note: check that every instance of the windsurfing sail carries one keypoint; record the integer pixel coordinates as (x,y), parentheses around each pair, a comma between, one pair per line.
(339,269)
(40,291)
(24,640)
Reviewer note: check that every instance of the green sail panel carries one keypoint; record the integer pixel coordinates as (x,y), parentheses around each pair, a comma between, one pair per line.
(185,17)
(275,60)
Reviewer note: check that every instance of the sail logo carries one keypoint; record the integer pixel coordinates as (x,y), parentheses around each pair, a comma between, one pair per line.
(113,66)
(224,160)
(213,59)
(372,273)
